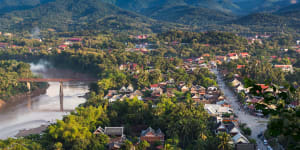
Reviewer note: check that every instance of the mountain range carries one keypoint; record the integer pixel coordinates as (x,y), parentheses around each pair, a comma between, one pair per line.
(11,5)
(238,7)
(70,15)
(150,15)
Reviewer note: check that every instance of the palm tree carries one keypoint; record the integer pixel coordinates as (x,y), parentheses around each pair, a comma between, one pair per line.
(128,145)
(224,139)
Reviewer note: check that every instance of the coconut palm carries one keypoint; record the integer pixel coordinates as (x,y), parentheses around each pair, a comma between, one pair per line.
(224,140)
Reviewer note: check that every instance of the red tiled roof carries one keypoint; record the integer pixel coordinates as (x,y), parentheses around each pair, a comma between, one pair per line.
(63,46)
(201,61)
(206,55)
(240,66)
(274,57)
(226,105)
(232,54)
(189,60)
(282,66)
(244,54)
(154,85)
(134,65)
(263,86)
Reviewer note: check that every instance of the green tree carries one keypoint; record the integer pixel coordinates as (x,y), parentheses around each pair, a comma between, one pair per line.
(143,145)
(224,140)
(284,120)
(128,145)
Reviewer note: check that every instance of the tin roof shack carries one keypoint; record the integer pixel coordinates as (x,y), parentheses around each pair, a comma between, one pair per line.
(115,134)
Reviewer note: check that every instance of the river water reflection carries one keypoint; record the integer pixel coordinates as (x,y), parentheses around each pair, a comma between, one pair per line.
(44,108)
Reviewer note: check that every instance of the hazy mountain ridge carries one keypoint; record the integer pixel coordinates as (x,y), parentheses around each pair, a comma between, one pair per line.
(238,7)
(290,11)
(144,5)
(255,6)
(11,5)
(189,15)
(64,15)
(148,15)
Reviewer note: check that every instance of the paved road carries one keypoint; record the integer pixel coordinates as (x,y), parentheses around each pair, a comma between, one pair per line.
(256,124)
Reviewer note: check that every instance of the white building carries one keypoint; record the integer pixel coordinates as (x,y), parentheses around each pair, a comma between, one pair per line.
(217,110)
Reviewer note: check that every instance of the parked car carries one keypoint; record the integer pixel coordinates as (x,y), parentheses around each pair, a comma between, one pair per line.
(269,147)
(265,142)
(259,135)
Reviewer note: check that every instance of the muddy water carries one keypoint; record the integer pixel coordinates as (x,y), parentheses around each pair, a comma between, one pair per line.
(45,108)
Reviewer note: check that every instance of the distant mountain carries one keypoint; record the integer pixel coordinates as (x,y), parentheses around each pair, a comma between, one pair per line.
(254,6)
(290,11)
(188,12)
(189,15)
(11,5)
(295,7)
(238,7)
(143,5)
(267,22)
(145,16)
(67,15)
(226,6)
(260,19)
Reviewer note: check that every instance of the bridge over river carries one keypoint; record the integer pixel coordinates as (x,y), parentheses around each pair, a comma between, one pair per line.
(61,91)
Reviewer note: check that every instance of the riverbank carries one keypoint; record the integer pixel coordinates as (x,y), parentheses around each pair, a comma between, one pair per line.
(32,131)
(24,116)
(21,97)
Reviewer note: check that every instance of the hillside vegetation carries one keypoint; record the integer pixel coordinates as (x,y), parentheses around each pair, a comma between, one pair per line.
(189,15)
(11,5)
(66,15)
(148,16)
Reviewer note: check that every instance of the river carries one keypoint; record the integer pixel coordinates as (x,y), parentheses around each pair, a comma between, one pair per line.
(45,108)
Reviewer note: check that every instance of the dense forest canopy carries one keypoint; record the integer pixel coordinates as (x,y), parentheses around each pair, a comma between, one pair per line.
(186,124)
(148,16)
(10,72)
(75,131)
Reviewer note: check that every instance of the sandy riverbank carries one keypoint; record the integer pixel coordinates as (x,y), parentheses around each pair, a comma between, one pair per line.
(38,130)
(21,97)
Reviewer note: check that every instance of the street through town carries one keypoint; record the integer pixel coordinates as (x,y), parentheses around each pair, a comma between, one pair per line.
(256,124)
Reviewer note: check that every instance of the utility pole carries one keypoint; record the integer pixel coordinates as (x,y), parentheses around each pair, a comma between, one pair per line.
(61,96)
